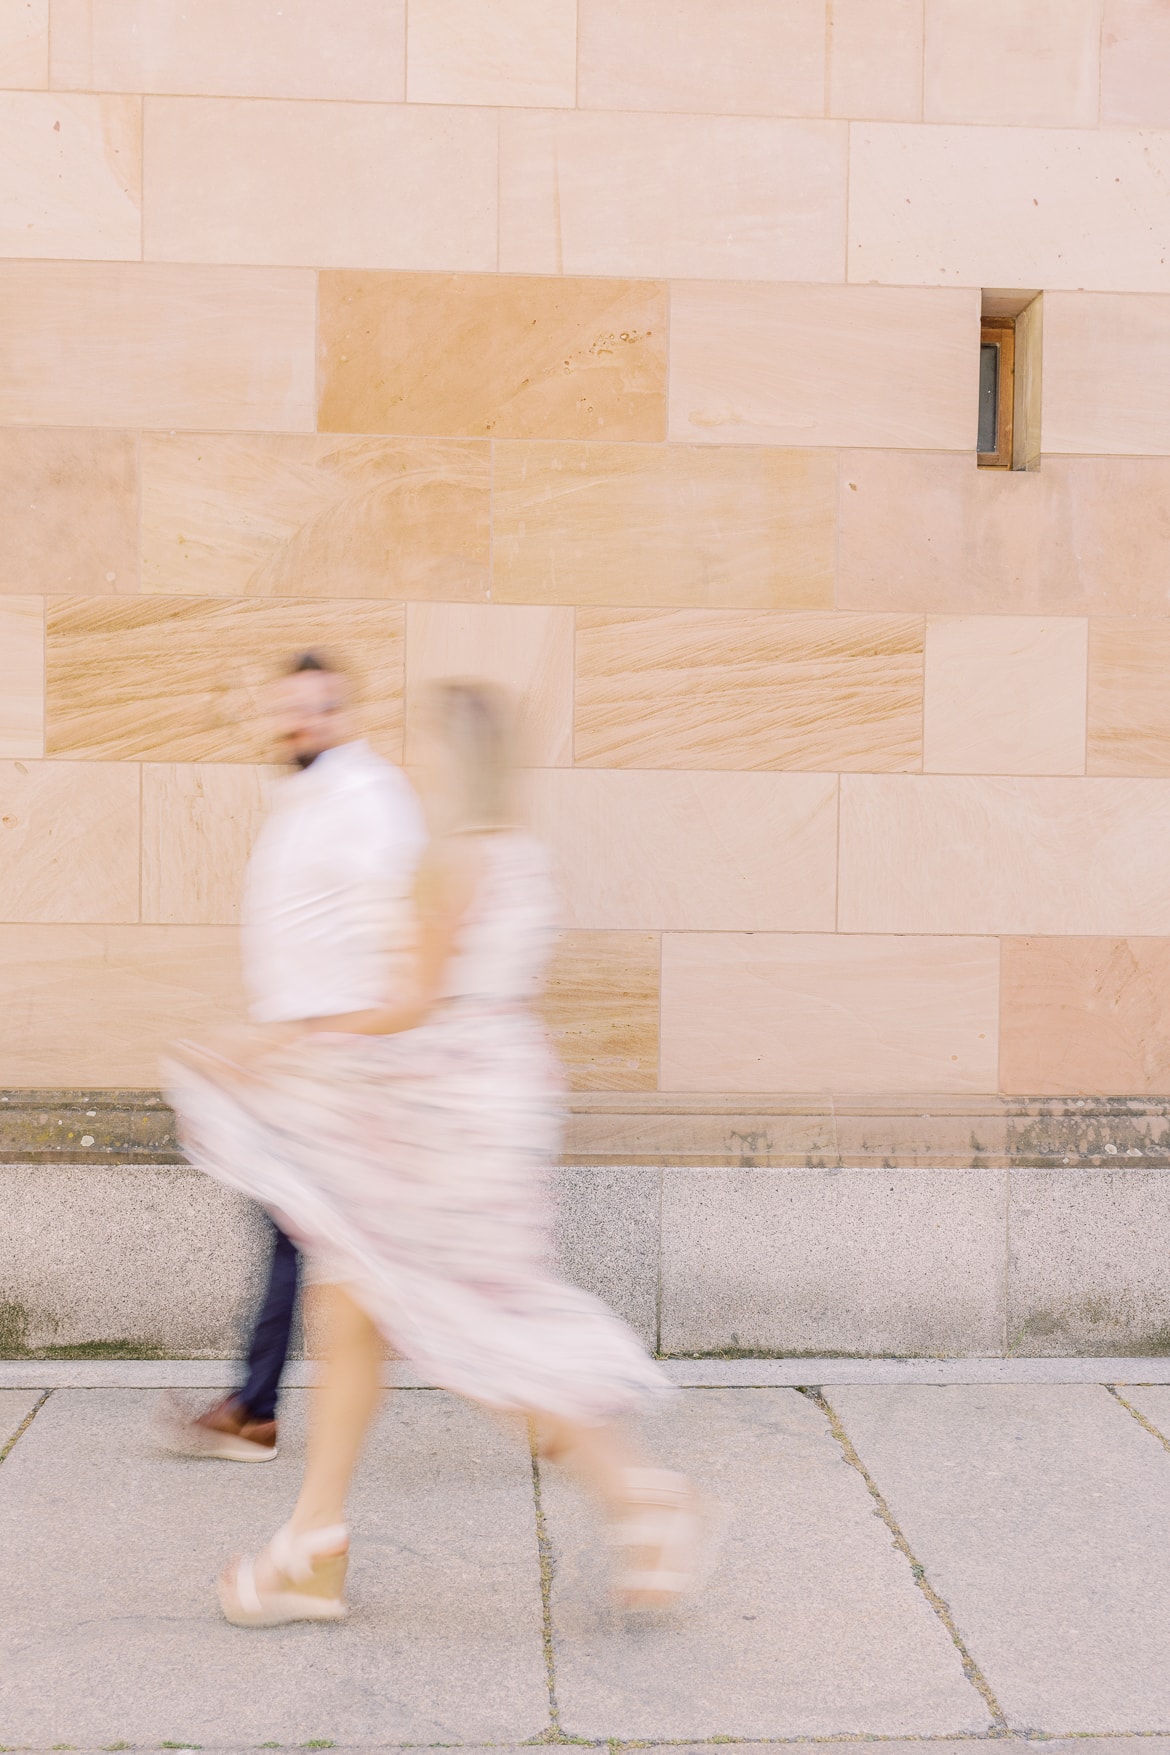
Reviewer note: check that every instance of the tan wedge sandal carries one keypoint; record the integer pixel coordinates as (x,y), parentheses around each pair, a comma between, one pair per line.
(667,1536)
(311,1579)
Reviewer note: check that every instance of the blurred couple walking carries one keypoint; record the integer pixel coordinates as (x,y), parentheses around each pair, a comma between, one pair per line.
(395,1106)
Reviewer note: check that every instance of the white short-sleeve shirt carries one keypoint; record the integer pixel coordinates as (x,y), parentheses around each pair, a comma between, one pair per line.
(328,886)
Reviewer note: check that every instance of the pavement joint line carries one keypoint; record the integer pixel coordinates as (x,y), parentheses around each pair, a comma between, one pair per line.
(544,1554)
(1000,1728)
(1141,1419)
(7,1449)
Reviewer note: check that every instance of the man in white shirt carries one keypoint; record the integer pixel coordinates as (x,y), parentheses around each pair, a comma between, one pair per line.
(332,864)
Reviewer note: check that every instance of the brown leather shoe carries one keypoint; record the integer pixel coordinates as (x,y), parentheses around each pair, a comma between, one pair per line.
(226,1431)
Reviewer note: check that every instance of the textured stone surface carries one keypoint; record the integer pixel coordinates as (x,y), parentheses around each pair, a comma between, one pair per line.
(1084,1014)
(1042,1517)
(806,1571)
(15,1406)
(22,676)
(847,1261)
(607,1238)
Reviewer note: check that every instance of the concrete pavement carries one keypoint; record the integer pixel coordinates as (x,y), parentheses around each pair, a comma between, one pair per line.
(906,1560)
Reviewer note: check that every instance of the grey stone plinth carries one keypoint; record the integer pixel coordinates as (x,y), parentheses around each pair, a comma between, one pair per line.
(607,1238)
(1042,1516)
(826,1261)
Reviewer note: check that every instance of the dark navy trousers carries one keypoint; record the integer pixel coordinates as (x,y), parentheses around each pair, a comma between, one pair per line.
(270,1337)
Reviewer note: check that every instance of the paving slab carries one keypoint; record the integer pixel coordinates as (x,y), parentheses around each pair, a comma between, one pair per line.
(15,1406)
(1041,1514)
(812,1624)
(109,1626)
(1152,1401)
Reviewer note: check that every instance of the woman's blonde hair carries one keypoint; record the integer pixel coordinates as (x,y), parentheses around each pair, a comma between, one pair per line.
(475,722)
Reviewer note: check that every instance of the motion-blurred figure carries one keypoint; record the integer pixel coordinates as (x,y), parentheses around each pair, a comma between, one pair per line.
(406,1145)
(336,853)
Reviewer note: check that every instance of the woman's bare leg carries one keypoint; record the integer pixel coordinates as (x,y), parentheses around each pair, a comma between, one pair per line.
(341,1408)
(598,1455)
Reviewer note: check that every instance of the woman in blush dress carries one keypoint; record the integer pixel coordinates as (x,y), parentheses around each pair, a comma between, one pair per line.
(406,1149)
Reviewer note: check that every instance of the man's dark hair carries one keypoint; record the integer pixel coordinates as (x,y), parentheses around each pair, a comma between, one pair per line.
(311,661)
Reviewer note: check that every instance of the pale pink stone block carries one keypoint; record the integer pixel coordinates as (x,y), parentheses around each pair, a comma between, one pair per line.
(875,59)
(823,1012)
(1009,207)
(232,48)
(690,196)
(1106,372)
(691,851)
(1018,63)
(22,676)
(728,57)
(1005,695)
(24,43)
(514,52)
(332,185)
(142,344)
(70,176)
(1135,63)
(525,649)
(824,365)
(935,853)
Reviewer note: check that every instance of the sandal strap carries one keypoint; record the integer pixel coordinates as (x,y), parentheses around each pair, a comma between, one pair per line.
(294,1551)
(245,1583)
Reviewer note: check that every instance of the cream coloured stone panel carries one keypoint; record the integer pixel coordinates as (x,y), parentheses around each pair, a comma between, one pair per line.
(69,841)
(146,344)
(1018,63)
(22,676)
(932,853)
(24,43)
(600,1007)
(1085,1017)
(263,48)
(68,510)
(725,526)
(329,185)
(1129,703)
(526,650)
(926,531)
(691,852)
(875,59)
(199,821)
(1009,207)
(824,365)
(1005,695)
(1106,368)
(582,192)
(70,176)
(822,1012)
(314,515)
(739,57)
(96,1005)
(1135,63)
(509,52)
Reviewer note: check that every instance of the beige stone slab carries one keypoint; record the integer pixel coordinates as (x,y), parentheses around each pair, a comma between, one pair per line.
(512,52)
(15,1407)
(68,510)
(1016,63)
(1009,207)
(875,59)
(199,821)
(1005,695)
(361,185)
(94,1005)
(528,650)
(601,1009)
(688,525)
(1106,357)
(711,197)
(180,678)
(69,836)
(147,344)
(70,176)
(1135,64)
(748,689)
(1129,715)
(742,57)
(501,356)
(266,49)
(823,1011)
(22,676)
(932,532)
(1084,1016)
(823,365)
(938,853)
(315,516)
(692,852)
(24,43)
